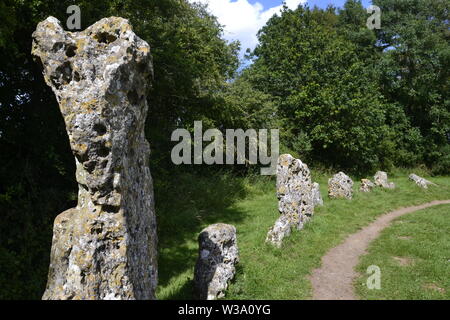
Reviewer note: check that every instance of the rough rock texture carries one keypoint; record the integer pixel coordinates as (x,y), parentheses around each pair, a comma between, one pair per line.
(105,247)
(421,182)
(366,185)
(295,197)
(294,190)
(381,180)
(281,229)
(316,195)
(218,255)
(340,186)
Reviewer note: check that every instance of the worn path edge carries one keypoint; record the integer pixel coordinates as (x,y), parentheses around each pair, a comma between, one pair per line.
(335,278)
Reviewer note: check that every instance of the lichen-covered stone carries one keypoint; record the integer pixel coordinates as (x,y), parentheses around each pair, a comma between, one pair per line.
(421,182)
(105,247)
(294,186)
(340,186)
(316,195)
(280,230)
(295,197)
(218,255)
(366,185)
(381,180)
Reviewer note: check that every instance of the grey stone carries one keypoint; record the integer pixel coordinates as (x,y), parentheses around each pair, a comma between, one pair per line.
(366,185)
(280,230)
(294,190)
(421,182)
(295,198)
(218,255)
(340,186)
(316,195)
(381,180)
(105,247)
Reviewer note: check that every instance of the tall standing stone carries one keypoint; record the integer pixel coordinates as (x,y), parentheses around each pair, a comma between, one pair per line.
(340,186)
(105,247)
(295,198)
(217,258)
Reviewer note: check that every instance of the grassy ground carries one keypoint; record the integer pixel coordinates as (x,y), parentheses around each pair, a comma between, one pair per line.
(250,204)
(413,256)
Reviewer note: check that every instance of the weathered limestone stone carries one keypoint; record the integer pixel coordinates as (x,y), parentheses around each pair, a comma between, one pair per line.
(295,198)
(381,180)
(340,186)
(316,195)
(218,255)
(281,229)
(366,185)
(105,247)
(421,182)
(294,186)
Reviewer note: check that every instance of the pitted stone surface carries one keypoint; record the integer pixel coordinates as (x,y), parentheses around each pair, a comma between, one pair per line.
(421,182)
(340,186)
(105,247)
(381,180)
(295,197)
(281,229)
(366,185)
(218,255)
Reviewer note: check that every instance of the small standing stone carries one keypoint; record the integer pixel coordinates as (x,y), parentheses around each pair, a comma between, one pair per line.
(381,180)
(280,230)
(218,255)
(340,186)
(316,195)
(366,185)
(421,182)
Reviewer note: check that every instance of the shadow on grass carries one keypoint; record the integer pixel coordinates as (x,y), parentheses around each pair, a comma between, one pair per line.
(183,209)
(185,292)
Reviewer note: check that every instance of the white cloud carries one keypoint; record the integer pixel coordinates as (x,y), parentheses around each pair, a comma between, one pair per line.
(242,20)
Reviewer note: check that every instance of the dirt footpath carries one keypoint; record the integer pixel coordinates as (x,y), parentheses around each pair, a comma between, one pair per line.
(334,279)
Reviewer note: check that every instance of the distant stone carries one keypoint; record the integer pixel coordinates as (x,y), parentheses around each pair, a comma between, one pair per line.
(421,182)
(218,255)
(381,180)
(105,247)
(340,186)
(295,197)
(366,185)
(316,195)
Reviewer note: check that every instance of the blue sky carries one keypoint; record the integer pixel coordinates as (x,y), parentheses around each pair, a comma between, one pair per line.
(243,18)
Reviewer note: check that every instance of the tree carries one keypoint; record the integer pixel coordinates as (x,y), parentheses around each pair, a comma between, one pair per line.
(326,92)
(415,67)
(191,62)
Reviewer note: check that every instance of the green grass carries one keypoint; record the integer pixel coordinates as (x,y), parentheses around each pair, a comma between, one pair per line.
(250,204)
(423,238)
